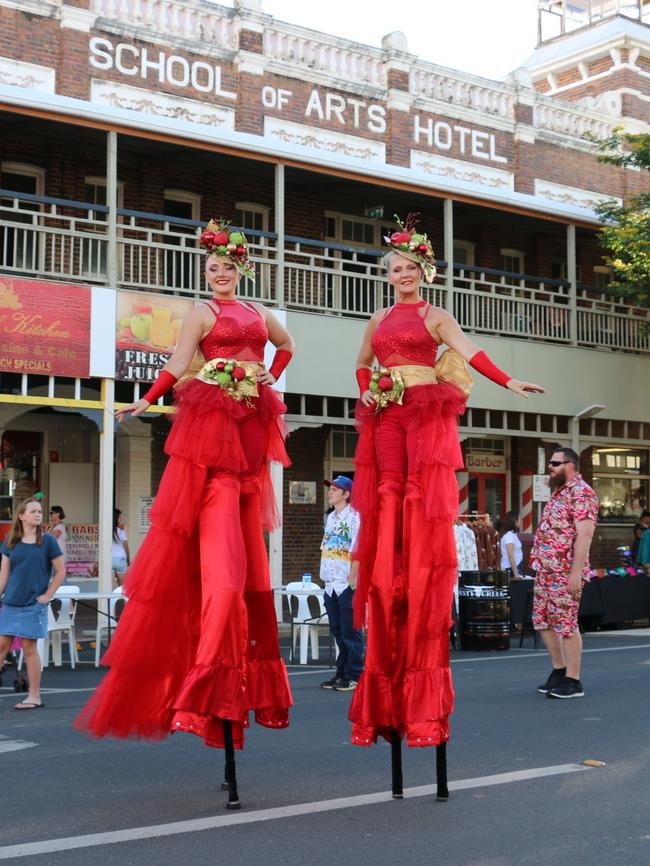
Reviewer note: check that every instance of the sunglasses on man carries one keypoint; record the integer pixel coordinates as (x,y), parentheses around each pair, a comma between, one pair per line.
(558,462)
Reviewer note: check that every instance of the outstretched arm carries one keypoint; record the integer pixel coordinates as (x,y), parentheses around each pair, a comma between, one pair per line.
(192,330)
(447,330)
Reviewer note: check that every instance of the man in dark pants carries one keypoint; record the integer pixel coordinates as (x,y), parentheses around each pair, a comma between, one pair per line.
(338,573)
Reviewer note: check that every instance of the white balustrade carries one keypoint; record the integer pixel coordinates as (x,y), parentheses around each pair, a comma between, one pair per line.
(505,305)
(575,122)
(337,58)
(612,323)
(187,19)
(461,90)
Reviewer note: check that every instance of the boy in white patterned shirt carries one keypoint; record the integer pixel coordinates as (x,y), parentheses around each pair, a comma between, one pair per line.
(338,573)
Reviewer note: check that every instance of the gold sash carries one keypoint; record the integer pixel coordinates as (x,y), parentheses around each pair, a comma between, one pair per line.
(450,368)
(242,390)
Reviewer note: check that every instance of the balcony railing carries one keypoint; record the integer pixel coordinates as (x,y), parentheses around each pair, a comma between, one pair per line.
(490,301)
(65,240)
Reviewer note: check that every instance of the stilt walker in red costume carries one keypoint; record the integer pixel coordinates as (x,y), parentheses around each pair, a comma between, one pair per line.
(406,493)
(197,646)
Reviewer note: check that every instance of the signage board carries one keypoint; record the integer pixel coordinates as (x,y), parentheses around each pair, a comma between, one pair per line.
(541,490)
(476,461)
(82,550)
(44,328)
(147,330)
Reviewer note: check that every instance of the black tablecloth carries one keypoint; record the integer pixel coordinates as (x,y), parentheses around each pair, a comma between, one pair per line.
(610,599)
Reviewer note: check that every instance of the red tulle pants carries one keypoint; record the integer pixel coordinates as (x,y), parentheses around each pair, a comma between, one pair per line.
(198,641)
(237,619)
(406,686)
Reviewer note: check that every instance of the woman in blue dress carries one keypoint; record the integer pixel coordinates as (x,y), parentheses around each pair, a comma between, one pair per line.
(32,570)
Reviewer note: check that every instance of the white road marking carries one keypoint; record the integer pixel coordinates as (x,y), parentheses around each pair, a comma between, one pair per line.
(16,697)
(48,846)
(531,654)
(510,655)
(15,745)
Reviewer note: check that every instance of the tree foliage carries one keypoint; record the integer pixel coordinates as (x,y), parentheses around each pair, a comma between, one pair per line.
(626,230)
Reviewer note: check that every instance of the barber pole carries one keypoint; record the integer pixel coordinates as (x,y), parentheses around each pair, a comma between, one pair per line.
(526,502)
(463,492)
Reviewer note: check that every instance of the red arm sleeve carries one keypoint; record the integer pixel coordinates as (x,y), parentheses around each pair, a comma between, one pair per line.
(164,383)
(481,362)
(280,362)
(363,379)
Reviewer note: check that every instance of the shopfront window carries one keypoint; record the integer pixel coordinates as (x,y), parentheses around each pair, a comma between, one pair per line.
(621,479)
(344,442)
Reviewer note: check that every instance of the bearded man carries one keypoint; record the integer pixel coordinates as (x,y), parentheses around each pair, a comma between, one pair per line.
(560,557)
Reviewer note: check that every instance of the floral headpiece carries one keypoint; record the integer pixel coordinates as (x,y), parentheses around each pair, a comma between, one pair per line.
(218,238)
(413,245)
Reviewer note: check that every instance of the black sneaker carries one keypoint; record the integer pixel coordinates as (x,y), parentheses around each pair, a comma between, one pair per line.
(346,686)
(333,683)
(569,688)
(555,678)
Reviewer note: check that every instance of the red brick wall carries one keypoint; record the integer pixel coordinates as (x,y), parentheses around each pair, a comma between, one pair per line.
(222,180)
(303,524)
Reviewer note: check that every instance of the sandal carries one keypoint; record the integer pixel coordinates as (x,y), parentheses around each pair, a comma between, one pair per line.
(28,705)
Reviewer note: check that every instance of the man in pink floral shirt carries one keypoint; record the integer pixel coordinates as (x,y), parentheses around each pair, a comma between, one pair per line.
(560,557)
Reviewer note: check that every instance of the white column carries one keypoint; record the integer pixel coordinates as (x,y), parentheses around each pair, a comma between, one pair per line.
(572,277)
(106,454)
(448,253)
(133,476)
(275,538)
(107,435)
(111,203)
(279,230)
(575,434)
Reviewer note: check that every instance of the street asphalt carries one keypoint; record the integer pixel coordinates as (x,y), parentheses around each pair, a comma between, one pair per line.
(520,792)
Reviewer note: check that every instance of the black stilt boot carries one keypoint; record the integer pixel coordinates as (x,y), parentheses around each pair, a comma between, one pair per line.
(442,792)
(396,765)
(231,770)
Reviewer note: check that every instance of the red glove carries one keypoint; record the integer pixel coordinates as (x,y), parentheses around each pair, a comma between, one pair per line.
(164,383)
(363,379)
(486,368)
(280,362)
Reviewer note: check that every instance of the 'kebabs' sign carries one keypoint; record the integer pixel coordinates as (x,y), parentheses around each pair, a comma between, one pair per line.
(148,326)
(44,328)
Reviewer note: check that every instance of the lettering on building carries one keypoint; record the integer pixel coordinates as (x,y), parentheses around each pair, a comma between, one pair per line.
(331,108)
(477,462)
(152,64)
(443,136)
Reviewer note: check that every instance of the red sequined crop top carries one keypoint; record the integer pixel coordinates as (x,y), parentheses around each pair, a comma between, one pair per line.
(238,332)
(402,337)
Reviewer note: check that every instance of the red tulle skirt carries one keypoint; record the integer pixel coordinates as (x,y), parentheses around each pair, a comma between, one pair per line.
(197,642)
(406,492)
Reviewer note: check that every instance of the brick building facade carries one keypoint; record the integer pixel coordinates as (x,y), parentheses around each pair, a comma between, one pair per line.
(126,125)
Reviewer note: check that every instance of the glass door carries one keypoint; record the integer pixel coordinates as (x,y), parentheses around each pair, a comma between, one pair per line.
(487,494)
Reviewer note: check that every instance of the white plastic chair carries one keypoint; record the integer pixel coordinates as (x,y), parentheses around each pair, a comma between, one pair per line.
(103,621)
(58,627)
(306,623)
(62,626)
